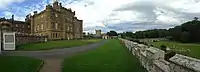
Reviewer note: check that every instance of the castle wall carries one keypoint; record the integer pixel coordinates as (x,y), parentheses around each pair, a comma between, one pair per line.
(26,39)
(59,23)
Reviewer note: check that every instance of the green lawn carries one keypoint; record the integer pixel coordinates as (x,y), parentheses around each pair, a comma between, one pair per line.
(111,57)
(56,44)
(194,48)
(19,64)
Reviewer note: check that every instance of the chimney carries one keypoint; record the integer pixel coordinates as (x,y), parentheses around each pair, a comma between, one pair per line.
(60,4)
(13,17)
(55,4)
(35,12)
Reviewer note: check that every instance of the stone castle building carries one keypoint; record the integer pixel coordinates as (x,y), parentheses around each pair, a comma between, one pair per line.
(56,22)
(11,25)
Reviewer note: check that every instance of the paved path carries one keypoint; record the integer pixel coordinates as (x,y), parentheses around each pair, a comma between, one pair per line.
(53,58)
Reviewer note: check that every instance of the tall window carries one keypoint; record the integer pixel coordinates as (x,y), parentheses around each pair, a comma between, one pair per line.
(56,25)
(42,27)
(53,25)
(56,15)
(56,35)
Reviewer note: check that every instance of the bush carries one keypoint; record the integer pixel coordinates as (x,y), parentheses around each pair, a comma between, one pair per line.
(155,41)
(169,55)
(163,47)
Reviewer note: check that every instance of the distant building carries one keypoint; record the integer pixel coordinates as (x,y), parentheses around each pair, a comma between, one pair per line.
(98,33)
(105,36)
(56,22)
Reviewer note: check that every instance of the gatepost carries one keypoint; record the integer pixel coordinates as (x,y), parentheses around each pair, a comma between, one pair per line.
(9,41)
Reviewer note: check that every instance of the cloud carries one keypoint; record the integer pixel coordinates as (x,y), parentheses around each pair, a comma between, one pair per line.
(5,3)
(119,15)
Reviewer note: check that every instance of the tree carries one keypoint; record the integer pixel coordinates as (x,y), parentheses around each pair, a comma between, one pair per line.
(130,34)
(112,33)
(185,37)
(196,18)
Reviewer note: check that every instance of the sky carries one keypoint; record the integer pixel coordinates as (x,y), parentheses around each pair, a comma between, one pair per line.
(118,15)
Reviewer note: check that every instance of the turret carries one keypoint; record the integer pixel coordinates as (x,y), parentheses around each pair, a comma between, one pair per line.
(13,17)
(49,7)
(55,4)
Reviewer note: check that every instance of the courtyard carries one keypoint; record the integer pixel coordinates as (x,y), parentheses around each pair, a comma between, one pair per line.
(102,56)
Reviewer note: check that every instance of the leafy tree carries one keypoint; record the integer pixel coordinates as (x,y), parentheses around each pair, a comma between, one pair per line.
(112,33)
(185,37)
(163,47)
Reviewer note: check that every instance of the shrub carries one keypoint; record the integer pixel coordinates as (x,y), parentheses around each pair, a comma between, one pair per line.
(169,55)
(163,47)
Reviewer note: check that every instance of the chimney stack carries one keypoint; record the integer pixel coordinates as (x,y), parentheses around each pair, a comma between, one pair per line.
(60,4)
(35,12)
(13,17)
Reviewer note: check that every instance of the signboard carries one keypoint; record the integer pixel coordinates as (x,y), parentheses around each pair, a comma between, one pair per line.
(9,41)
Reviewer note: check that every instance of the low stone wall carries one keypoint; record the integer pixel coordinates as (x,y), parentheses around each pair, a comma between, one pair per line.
(152,59)
(25,39)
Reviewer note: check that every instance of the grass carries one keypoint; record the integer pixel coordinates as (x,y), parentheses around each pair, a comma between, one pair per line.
(55,44)
(111,57)
(194,48)
(19,64)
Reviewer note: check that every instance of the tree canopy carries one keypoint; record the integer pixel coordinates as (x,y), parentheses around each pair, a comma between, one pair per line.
(186,32)
(112,33)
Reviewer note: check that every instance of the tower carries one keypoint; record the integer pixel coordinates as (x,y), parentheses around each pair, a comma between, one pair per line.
(98,33)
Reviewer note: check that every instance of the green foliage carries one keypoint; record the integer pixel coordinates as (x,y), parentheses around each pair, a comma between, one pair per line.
(56,44)
(185,37)
(111,57)
(112,33)
(155,33)
(169,55)
(188,49)
(187,32)
(163,47)
(19,64)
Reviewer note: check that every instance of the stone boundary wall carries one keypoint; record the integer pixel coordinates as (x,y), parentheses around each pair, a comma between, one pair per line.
(152,59)
(26,39)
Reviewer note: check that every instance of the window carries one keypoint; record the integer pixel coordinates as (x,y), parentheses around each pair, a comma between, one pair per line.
(53,35)
(56,35)
(42,27)
(38,27)
(56,15)
(56,25)
(16,25)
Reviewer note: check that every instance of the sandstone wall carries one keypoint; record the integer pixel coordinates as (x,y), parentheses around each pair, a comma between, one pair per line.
(25,39)
(152,59)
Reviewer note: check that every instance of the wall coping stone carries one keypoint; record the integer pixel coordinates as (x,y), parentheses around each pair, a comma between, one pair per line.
(188,62)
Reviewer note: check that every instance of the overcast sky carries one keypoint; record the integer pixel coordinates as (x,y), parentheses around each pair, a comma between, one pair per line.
(119,15)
